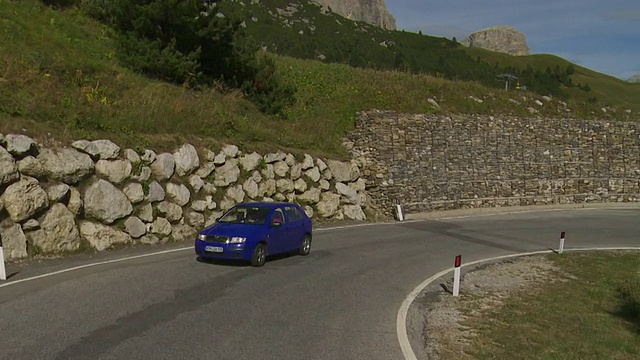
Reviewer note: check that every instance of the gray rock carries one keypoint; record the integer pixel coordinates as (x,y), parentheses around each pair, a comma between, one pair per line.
(354,212)
(281,168)
(343,172)
(285,185)
(156,192)
(359,185)
(272,158)
(66,165)
(31,224)
(227,174)
(170,211)
(99,149)
(199,205)
(499,38)
(227,203)
(14,243)
(19,144)
(250,162)
(211,204)
(145,213)
(115,171)
(212,218)
(149,156)
(160,226)
(209,188)
(132,156)
(250,188)
(350,195)
(135,227)
(321,165)
(296,172)
(145,174)
(300,186)
(59,231)
(57,193)
(290,160)
(179,194)
(279,197)
(230,151)
(308,210)
(187,159)
(24,199)
(210,155)
(102,237)
(324,184)
(307,163)
(268,172)
(236,193)
(313,174)
(164,166)
(30,166)
(149,239)
(8,167)
(134,192)
(196,183)
(105,202)
(195,219)
(205,170)
(220,159)
(256,176)
(327,174)
(339,215)
(183,232)
(328,204)
(75,204)
(311,196)
(267,188)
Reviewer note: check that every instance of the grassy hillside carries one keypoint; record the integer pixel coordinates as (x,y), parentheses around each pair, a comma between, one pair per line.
(60,79)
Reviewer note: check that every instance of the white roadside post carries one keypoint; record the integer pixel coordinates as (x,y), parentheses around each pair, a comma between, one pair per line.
(399,211)
(3,271)
(561,248)
(456,276)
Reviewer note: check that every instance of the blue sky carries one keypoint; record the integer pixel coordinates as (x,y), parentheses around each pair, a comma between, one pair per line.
(603,35)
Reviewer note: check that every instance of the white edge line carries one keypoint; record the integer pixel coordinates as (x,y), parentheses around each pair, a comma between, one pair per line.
(401,320)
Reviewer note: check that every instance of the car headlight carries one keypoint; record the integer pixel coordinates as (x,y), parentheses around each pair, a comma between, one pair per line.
(237,240)
(202,237)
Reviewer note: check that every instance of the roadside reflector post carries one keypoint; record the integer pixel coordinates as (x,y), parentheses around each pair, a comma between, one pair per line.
(3,271)
(561,248)
(456,276)
(399,213)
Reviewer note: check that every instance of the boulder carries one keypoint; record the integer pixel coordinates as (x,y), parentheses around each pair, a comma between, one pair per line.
(311,196)
(220,159)
(349,194)
(281,168)
(135,227)
(212,218)
(210,155)
(300,185)
(134,192)
(149,239)
(236,193)
(24,199)
(227,174)
(14,243)
(308,210)
(170,211)
(274,157)
(178,193)
(102,237)
(105,202)
(328,204)
(186,159)
(296,171)
(211,204)
(307,163)
(360,185)
(144,175)
(98,149)
(57,193)
(160,226)
(267,188)
(285,185)
(354,212)
(30,166)
(59,231)
(251,161)
(290,160)
(19,144)
(313,174)
(132,156)
(31,224)
(268,172)
(196,183)
(324,184)
(8,168)
(115,171)
(199,205)
(66,165)
(75,204)
(256,176)
(156,192)
(195,219)
(230,151)
(250,188)
(164,166)
(227,203)
(183,232)
(145,213)
(342,172)
(321,165)
(209,188)
(148,157)
(205,170)
(327,174)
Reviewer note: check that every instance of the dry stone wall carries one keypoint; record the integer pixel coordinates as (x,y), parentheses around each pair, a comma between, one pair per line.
(433,162)
(95,195)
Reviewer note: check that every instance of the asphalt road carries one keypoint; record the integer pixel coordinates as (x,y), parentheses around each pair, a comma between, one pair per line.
(340,302)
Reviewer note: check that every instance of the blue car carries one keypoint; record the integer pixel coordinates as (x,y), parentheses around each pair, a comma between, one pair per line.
(253,231)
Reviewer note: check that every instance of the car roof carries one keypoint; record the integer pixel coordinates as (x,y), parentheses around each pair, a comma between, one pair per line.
(266,204)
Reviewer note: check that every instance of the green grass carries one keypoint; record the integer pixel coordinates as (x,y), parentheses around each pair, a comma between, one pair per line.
(584,317)
(60,79)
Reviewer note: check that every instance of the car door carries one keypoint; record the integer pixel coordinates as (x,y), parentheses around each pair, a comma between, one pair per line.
(295,227)
(277,234)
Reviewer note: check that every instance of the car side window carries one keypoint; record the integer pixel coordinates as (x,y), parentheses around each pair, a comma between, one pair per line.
(278,216)
(293,213)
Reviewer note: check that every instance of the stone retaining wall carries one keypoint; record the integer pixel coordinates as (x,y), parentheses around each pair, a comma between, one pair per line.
(96,195)
(432,162)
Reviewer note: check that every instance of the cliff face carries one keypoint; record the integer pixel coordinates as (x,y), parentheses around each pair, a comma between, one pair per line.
(635,78)
(499,38)
(372,11)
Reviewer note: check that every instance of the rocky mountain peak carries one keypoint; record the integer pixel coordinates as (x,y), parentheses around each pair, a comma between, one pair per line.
(505,39)
(372,11)
(635,78)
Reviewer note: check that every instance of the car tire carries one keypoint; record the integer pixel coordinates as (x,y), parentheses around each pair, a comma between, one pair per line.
(259,256)
(305,248)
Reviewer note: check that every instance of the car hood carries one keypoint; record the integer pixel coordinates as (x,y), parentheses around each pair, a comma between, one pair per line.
(227,229)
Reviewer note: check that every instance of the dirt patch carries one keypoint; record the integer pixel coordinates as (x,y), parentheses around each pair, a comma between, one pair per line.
(450,323)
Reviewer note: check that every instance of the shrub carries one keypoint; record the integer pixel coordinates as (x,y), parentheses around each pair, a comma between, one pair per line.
(631,294)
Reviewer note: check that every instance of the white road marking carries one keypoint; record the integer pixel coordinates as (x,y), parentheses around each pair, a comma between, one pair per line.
(401,319)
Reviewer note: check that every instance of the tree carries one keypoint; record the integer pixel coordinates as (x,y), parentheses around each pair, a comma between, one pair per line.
(570,70)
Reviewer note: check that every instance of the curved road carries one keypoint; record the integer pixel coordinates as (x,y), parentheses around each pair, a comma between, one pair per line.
(340,302)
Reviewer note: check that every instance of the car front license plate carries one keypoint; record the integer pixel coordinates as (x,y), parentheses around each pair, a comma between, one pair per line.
(215,249)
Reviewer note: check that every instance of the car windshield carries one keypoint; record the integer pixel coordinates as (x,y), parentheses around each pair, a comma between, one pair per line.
(246,215)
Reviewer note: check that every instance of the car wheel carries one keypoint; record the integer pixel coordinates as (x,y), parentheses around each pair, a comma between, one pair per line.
(305,248)
(259,256)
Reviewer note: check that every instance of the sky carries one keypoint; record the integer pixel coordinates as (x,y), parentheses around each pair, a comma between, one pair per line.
(602,35)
